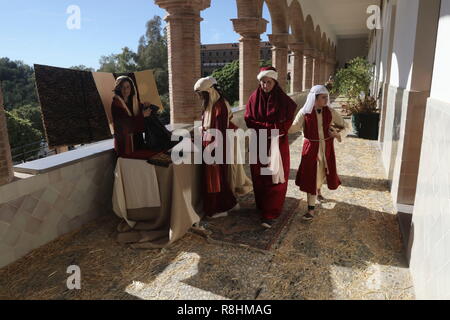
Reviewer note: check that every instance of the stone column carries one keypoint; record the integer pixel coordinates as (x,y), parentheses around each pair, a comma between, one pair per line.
(297,67)
(330,69)
(317,68)
(308,68)
(324,69)
(250,30)
(280,56)
(6,167)
(183,35)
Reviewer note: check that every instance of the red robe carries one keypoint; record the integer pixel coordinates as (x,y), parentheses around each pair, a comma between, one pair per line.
(128,130)
(274,110)
(218,196)
(307,173)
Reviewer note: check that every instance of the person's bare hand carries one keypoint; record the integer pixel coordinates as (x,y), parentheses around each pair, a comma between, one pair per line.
(147,113)
(147,110)
(333,133)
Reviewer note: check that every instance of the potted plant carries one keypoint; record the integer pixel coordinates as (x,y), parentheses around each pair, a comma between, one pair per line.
(365,116)
(353,82)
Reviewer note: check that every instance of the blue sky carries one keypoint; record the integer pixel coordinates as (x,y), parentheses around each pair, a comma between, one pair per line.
(36,32)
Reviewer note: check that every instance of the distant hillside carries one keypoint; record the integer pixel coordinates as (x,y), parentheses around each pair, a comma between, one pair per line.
(18,85)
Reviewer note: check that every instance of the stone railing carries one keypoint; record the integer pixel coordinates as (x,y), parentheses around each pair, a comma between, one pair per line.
(54,196)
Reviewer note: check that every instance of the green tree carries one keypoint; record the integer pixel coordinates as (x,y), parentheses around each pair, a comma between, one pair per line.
(265,63)
(32,113)
(18,84)
(353,79)
(152,53)
(82,67)
(23,113)
(228,80)
(122,62)
(108,63)
(23,138)
(126,61)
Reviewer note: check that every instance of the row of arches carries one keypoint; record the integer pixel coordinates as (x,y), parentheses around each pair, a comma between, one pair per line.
(288,18)
(312,53)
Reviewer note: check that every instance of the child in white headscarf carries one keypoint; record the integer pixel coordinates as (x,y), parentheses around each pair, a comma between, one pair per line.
(320,124)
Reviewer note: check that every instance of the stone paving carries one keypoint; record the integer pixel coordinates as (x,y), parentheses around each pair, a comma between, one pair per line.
(351,250)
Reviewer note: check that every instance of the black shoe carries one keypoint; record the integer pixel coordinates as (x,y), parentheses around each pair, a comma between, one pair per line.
(267,223)
(308,217)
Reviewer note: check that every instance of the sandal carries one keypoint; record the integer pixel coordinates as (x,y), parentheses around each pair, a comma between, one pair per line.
(308,217)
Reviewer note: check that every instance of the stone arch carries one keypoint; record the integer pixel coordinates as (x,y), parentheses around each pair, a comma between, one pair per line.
(278,14)
(309,33)
(296,21)
(329,49)
(318,38)
(323,46)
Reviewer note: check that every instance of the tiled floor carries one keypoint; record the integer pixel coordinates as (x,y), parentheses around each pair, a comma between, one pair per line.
(352,250)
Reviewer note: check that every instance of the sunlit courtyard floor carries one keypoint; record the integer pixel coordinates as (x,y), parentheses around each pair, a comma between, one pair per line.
(351,250)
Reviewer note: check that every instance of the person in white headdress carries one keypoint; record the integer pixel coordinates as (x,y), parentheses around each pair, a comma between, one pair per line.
(320,124)
(219,190)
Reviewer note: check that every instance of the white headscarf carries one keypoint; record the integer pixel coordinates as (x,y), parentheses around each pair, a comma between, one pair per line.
(206,84)
(311,100)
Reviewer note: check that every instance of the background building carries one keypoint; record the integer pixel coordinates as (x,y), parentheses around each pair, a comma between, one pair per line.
(215,56)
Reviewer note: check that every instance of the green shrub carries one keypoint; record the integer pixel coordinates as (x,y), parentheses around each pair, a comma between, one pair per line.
(353,79)
(228,80)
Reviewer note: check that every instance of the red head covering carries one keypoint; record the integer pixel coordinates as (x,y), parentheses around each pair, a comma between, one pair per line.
(273,107)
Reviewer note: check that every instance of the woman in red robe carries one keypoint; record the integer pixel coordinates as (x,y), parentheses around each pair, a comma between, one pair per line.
(218,196)
(128,119)
(270,108)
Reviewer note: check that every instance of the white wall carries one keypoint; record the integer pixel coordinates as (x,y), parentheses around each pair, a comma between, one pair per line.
(430,254)
(387,21)
(441,76)
(404,43)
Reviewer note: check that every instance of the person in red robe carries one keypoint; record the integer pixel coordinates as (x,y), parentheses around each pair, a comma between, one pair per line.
(218,195)
(320,125)
(128,120)
(269,107)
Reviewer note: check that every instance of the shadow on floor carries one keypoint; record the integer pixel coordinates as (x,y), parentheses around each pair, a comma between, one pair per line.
(351,235)
(365,183)
(381,185)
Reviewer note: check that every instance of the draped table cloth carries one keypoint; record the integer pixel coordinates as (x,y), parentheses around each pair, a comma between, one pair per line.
(158,204)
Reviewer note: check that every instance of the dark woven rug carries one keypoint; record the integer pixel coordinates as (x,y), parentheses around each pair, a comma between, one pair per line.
(243,227)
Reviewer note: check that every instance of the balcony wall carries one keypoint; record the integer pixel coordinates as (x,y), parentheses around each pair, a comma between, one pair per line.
(36,209)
